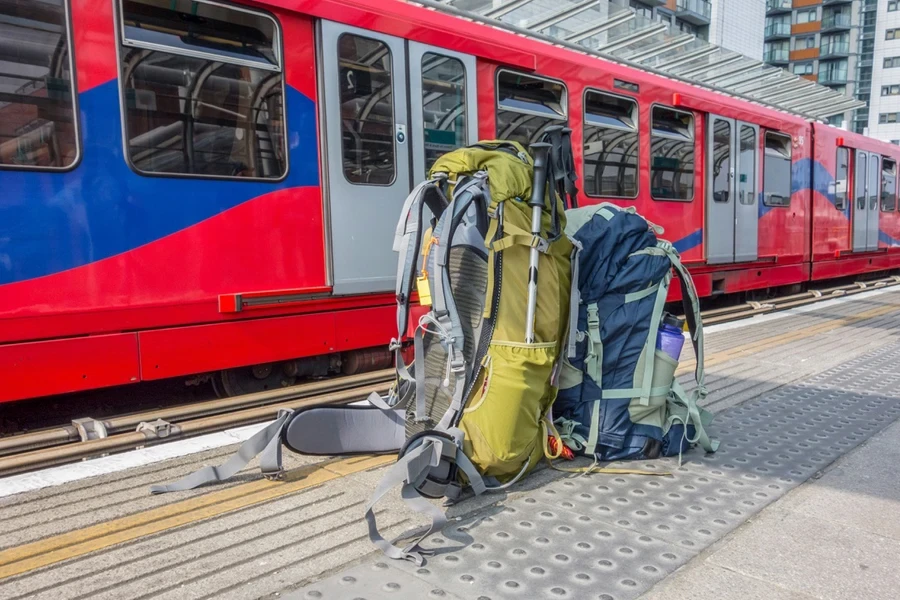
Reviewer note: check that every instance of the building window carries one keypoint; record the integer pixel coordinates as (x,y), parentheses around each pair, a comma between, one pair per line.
(443,105)
(38,127)
(891,62)
(527,105)
(892,5)
(888,117)
(841,179)
(890,90)
(892,34)
(641,9)
(803,68)
(807,16)
(610,146)
(777,170)
(805,43)
(833,71)
(203,90)
(671,154)
(888,185)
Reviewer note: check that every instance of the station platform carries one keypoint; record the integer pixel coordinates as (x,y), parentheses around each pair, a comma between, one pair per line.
(802,500)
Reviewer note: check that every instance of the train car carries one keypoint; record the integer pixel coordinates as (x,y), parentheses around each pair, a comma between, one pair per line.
(206,186)
(856,228)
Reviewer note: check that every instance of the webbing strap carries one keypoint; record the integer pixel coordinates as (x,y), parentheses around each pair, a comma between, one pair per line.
(409,471)
(696,416)
(635,392)
(456,402)
(635,296)
(565,429)
(650,346)
(593,360)
(574,299)
(528,240)
(607,470)
(691,303)
(594,431)
(266,442)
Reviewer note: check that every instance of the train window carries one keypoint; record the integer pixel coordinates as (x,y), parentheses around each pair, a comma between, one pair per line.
(443,105)
(610,146)
(874,176)
(203,90)
(747,182)
(38,127)
(671,154)
(777,170)
(721,161)
(842,179)
(888,185)
(527,105)
(860,180)
(367,110)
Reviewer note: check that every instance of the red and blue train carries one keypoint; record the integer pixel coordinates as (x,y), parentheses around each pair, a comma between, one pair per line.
(192,187)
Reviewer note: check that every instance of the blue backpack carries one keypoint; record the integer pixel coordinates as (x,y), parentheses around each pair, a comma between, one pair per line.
(618,396)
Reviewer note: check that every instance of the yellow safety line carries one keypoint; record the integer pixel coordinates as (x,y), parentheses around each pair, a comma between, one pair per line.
(783,338)
(35,555)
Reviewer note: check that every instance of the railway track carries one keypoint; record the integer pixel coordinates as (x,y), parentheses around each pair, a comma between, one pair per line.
(86,438)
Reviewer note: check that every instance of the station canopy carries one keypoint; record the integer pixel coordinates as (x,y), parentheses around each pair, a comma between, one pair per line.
(618,34)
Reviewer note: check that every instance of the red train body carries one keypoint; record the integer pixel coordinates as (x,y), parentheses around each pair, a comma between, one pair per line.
(129,252)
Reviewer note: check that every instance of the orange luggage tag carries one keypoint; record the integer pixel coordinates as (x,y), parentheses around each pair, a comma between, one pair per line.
(422,285)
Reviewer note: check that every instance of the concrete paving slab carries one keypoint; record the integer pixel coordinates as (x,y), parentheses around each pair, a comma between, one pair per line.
(815,556)
(710,581)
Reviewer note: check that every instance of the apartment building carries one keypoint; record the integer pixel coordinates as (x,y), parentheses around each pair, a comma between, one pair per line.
(732,24)
(884,106)
(827,41)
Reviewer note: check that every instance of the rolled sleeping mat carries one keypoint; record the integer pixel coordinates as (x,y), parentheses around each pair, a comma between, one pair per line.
(345,430)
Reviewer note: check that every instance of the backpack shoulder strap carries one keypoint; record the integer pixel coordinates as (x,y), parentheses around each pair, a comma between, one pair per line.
(694,415)
(266,442)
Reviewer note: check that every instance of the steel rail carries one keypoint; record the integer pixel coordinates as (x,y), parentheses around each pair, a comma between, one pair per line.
(47,457)
(173,414)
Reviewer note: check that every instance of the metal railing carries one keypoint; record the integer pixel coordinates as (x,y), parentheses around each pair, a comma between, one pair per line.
(836,20)
(777,56)
(773,29)
(834,49)
(701,7)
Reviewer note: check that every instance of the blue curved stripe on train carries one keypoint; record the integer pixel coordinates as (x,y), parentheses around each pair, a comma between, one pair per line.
(52,222)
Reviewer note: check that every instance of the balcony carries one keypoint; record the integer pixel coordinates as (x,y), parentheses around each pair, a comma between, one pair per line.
(777,56)
(652,3)
(697,12)
(832,77)
(836,22)
(834,50)
(778,30)
(774,7)
(834,2)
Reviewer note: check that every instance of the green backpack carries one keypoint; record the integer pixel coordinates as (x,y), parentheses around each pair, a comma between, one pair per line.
(472,411)
(479,392)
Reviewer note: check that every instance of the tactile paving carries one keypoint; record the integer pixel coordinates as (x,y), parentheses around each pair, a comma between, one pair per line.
(614,537)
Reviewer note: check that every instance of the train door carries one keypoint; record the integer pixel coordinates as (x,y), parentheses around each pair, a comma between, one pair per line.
(380,136)
(873,192)
(733,181)
(865,202)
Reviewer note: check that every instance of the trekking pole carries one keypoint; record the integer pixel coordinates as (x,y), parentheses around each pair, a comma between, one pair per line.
(538,188)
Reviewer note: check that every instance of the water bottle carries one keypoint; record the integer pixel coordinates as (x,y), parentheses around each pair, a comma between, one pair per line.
(670,338)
